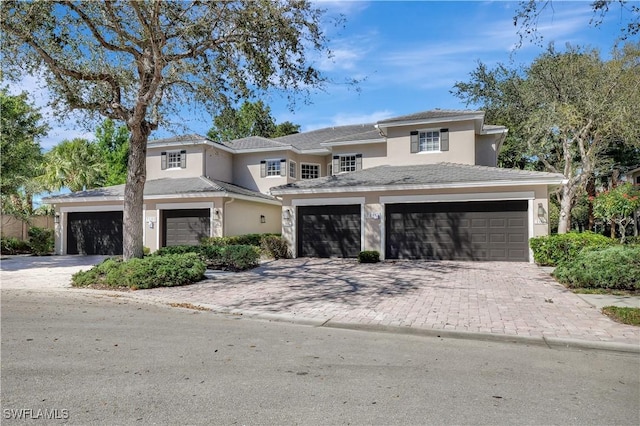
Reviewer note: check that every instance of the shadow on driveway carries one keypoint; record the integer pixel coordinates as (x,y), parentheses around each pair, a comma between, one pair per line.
(21,262)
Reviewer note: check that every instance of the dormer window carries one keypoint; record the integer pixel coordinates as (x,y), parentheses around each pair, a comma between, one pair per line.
(173,160)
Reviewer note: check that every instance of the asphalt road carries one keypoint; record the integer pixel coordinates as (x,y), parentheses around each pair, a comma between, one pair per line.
(94,359)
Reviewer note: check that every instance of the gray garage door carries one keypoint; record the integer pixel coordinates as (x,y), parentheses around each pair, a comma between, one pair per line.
(185,226)
(94,233)
(329,231)
(491,230)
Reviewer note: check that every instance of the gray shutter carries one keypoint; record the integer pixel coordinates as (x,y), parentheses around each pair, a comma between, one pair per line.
(283,167)
(335,167)
(183,159)
(414,141)
(358,161)
(444,139)
(163,160)
(263,168)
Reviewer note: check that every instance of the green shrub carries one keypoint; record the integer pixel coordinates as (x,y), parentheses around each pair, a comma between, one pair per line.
(153,271)
(247,239)
(616,267)
(632,241)
(371,256)
(12,245)
(41,241)
(275,246)
(552,250)
(240,257)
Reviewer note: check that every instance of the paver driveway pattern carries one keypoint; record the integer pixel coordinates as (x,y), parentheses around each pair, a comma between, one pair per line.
(497,298)
(518,299)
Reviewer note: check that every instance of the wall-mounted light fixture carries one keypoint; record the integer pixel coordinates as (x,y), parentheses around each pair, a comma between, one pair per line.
(263,219)
(56,218)
(216,213)
(286,214)
(542,213)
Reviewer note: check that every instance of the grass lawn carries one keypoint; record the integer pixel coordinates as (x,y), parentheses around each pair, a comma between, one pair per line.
(629,316)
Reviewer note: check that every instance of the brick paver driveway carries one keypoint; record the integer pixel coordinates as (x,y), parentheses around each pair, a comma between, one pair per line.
(513,299)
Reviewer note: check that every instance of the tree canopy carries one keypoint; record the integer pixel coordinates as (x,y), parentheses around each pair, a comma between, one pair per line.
(251,119)
(75,164)
(20,151)
(565,111)
(135,62)
(113,146)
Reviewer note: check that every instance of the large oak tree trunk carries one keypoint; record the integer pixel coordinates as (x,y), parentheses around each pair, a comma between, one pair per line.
(134,192)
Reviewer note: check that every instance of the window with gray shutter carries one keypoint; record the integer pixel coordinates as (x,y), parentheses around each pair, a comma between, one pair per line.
(263,168)
(358,161)
(414,141)
(183,159)
(163,160)
(283,167)
(444,139)
(335,169)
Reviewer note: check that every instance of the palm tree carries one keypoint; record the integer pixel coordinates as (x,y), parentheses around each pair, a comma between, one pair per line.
(74,164)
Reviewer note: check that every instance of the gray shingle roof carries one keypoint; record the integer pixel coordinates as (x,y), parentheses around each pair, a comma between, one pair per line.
(431,114)
(417,175)
(164,187)
(255,142)
(314,138)
(192,138)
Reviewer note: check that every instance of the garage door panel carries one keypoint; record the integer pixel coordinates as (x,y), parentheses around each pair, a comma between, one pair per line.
(185,226)
(458,231)
(329,231)
(91,233)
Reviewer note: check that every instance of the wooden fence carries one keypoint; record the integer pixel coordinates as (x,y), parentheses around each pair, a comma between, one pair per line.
(14,227)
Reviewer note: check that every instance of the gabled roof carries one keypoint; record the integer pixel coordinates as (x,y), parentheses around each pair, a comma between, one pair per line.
(440,175)
(164,188)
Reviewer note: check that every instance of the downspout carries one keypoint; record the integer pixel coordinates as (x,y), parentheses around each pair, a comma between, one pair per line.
(224,216)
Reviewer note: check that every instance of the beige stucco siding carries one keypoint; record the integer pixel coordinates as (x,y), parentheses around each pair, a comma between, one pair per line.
(461,145)
(486,150)
(243,217)
(194,163)
(218,165)
(373,155)
(246,171)
(373,207)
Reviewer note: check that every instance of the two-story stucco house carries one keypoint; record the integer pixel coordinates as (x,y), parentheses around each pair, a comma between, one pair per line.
(422,186)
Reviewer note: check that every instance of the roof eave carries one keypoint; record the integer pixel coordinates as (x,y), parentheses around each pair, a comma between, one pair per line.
(360,142)
(382,188)
(461,117)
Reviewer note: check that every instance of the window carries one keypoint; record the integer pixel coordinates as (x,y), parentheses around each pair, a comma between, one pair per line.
(347,163)
(309,171)
(273,167)
(292,169)
(429,141)
(173,160)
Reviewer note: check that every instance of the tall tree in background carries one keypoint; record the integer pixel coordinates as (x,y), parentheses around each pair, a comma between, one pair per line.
(113,145)
(134,62)
(20,153)
(76,164)
(569,108)
(251,119)
(529,12)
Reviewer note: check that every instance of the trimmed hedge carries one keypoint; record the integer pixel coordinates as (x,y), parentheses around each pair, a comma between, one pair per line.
(234,257)
(237,240)
(13,245)
(153,271)
(553,250)
(275,246)
(616,267)
(371,256)
(41,241)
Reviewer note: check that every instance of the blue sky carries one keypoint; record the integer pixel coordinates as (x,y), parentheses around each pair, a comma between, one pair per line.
(408,56)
